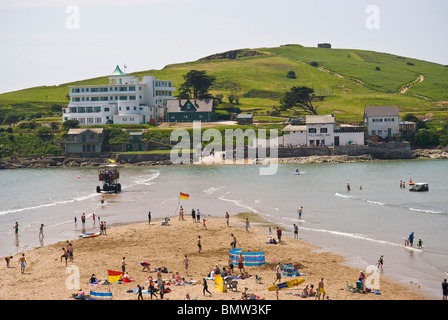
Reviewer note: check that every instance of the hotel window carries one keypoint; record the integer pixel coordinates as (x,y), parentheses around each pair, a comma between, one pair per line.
(75,90)
(131,119)
(323,130)
(106,109)
(89,109)
(104,98)
(131,88)
(89,120)
(312,130)
(123,98)
(95,99)
(97,120)
(82,120)
(97,109)
(131,97)
(81,110)
(127,108)
(72,110)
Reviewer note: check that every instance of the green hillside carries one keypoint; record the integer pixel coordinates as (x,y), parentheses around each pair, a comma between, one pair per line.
(347,79)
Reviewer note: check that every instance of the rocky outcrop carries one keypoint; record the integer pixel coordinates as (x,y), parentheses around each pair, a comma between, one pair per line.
(232,55)
(430,153)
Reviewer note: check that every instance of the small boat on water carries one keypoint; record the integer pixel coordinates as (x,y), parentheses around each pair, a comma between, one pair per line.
(419,187)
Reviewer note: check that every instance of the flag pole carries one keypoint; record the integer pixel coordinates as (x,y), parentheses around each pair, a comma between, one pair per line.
(178,204)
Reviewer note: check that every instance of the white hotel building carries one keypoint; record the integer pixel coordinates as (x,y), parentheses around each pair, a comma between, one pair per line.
(125,100)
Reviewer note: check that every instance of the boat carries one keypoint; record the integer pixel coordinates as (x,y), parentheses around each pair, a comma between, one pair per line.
(109,175)
(419,187)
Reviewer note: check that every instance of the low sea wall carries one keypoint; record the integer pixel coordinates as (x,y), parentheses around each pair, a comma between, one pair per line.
(385,151)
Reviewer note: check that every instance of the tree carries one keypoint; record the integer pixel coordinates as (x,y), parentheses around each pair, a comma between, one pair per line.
(196,85)
(69,124)
(298,99)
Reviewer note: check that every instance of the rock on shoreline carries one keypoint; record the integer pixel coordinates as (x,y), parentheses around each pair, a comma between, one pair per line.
(76,161)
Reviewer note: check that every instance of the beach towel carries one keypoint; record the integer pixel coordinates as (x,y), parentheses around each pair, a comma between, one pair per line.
(100,295)
(114,276)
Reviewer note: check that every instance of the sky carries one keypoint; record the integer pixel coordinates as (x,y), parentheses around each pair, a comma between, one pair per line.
(50,42)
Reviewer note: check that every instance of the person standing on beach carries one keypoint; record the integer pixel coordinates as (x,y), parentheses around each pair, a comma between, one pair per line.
(381,262)
(199,244)
(233,243)
(227,218)
(279,234)
(123,264)
(139,292)
(247,225)
(22,262)
(83,218)
(70,252)
(16,228)
(278,273)
(193,215)
(203,224)
(41,230)
(198,216)
(205,287)
(149,217)
(64,255)
(241,263)
(161,289)
(320,290)
(296,232)
(444,290)
(186,264)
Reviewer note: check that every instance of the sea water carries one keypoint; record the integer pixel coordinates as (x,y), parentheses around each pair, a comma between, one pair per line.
(370,220)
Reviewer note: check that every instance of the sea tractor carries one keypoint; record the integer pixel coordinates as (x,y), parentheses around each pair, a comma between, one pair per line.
(109,176)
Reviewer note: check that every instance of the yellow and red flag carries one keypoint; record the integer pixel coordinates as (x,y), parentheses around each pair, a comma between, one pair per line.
(184,195)
(114,276)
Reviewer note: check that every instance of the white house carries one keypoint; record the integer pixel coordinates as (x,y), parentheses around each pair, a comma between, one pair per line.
(382,121)
(318,131)
(125,100)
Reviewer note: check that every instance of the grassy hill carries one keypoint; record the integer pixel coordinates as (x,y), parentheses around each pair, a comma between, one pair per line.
(349,80)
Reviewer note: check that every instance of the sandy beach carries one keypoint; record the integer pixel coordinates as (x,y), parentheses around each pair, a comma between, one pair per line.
(47,278)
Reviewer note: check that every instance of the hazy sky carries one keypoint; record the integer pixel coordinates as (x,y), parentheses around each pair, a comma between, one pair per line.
(49,42)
